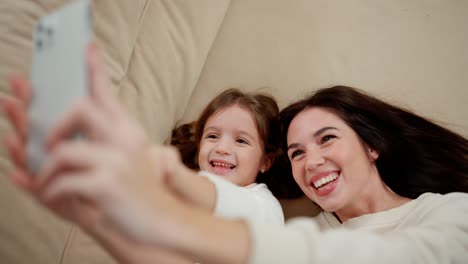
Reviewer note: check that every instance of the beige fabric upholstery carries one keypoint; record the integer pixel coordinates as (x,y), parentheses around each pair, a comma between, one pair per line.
(409,52)
(168,58)
(154,50)
(27,232)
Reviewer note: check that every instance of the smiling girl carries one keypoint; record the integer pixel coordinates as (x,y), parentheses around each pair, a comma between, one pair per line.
(233,143)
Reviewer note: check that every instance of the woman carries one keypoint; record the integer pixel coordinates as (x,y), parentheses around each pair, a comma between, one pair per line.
(344,148)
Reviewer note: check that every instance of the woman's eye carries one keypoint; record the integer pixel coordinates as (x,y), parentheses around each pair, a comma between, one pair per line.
(296,153)
(327,138)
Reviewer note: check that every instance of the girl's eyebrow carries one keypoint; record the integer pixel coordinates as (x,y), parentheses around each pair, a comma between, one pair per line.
(245,133)
(316,134)
(237,131)
(210,128)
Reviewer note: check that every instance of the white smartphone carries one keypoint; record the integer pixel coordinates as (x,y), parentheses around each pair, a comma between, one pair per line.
(58,72)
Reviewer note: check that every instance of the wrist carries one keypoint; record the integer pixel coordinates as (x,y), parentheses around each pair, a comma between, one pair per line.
(193,188)
(200,236)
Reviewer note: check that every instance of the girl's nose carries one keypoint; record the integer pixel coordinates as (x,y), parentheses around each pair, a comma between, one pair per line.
(223,147)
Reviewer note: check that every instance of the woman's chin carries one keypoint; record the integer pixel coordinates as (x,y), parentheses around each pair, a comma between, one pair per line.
(328,205)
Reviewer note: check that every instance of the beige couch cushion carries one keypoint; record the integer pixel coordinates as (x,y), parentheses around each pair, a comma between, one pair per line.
(154,51)
(27,232)
(167,57)
(409,52)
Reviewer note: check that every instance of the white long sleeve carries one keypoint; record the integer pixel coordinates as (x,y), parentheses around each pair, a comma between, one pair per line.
(254,203)
(430,229)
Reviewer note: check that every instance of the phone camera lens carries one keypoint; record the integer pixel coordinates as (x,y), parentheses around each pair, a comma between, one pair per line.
(39,44)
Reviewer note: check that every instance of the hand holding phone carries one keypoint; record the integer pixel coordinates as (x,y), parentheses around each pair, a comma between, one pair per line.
(58,72)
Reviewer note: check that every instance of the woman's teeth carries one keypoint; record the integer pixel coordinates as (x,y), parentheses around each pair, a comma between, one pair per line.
(325,180)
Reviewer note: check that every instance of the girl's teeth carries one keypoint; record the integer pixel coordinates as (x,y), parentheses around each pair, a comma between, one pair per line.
(221,164)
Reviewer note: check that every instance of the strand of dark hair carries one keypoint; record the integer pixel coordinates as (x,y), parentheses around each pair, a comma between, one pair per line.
(183,138)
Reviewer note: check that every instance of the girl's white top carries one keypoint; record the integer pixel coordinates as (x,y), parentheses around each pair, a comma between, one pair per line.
(254,202)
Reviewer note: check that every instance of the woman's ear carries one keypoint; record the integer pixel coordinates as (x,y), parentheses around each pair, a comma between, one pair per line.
(267,162)
(372,153)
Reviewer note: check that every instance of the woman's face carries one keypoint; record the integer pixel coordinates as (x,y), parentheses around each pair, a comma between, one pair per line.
(231,147)
(328,160)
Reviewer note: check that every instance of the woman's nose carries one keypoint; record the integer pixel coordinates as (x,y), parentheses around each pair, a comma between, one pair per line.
(314,159)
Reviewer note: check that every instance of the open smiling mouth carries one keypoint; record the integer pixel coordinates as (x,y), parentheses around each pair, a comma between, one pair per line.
(323,182)
(221,165)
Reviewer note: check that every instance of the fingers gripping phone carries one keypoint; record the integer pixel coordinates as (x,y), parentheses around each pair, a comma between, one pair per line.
(58,72)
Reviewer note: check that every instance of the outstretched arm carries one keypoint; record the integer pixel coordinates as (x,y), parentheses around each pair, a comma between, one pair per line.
(116,182)
(130,137)
(195,189)
(118,190)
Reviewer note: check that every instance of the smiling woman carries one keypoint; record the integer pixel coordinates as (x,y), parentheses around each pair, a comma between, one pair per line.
(354,154)
(334,168)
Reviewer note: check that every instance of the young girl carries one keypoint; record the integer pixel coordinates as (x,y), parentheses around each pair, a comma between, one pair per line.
(233,143)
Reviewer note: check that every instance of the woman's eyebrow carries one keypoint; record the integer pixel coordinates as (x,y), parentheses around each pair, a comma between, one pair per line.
(293,145)
(320,131)
(316,134)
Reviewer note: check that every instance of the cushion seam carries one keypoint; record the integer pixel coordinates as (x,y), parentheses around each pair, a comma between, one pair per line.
(65,246)
(127,65)
(206,57)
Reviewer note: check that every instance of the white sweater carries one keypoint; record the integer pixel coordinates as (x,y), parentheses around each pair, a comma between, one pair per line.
(430,229)
(254,202)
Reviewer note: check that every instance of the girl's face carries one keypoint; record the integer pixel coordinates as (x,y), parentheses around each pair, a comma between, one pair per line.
(328,160)
(231,146)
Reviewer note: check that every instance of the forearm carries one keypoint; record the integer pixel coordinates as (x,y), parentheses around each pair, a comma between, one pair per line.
(200,236)
(192,231)
(127,251)
(194,189)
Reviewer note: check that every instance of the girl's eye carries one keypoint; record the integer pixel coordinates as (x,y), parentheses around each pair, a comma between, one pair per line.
(212,136)
(296,153)
(242,141)
(326,138)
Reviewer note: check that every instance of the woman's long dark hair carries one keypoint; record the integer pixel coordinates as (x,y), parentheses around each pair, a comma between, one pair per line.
(415,154)
(264,110)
